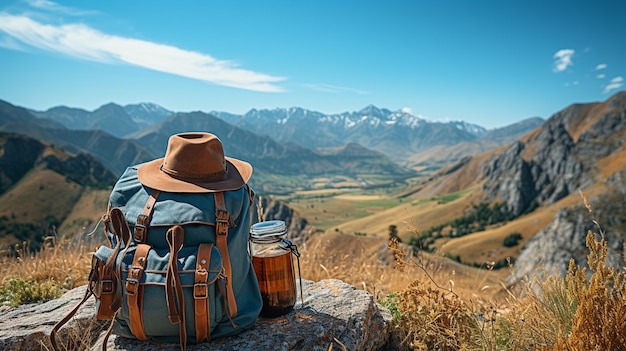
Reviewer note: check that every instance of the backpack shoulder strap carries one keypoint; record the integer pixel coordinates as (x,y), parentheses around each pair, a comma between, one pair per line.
(201,293)
(143,219)
(222,221)
(134,291)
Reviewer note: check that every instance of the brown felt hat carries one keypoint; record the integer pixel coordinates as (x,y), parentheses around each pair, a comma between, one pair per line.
(194,163)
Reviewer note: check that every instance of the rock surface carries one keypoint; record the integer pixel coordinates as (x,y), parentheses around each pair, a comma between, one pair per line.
(333,313)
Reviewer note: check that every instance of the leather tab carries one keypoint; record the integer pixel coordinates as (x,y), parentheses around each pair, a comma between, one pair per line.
(134,291)
(201,294)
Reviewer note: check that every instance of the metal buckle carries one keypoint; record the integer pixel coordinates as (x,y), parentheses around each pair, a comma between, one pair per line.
(200,291)
(131,286)
(140,233)
(106,286)
(223,222)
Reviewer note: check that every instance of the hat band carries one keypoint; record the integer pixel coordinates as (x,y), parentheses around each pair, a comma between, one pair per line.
(197,176)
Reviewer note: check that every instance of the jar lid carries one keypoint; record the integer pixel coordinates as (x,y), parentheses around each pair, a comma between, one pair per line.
(268,231)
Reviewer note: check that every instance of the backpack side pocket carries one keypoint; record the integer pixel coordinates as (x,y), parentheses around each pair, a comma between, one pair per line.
(103,284)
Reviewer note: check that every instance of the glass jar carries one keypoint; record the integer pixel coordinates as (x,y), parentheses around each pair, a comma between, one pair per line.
(273,265)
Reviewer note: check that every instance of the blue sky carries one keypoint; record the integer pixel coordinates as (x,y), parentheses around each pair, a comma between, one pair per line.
(486,62)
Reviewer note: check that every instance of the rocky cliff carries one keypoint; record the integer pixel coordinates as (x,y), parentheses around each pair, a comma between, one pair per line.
(298,228)
(559,158)
(551,250)
(582,147)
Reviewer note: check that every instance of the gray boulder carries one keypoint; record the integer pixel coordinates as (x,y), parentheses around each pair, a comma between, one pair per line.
(333,313)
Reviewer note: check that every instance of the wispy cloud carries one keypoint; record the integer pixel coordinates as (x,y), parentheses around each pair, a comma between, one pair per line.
(601,66)
(615,83)
(11,44)
(601,76)
(83,42)
(327,88)
(54,7)
(563,59)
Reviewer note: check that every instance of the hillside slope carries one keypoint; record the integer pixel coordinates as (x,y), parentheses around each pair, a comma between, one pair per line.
(43,188)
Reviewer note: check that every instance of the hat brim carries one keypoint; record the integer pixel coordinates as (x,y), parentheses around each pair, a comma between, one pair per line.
(238,173)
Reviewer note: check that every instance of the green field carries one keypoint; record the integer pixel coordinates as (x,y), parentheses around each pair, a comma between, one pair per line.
(327,208)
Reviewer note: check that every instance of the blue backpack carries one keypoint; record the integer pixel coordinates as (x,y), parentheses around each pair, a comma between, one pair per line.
(177,267)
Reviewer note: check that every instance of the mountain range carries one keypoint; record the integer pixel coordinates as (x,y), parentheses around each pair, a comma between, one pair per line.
(70,130)
(534,168)
(397,134)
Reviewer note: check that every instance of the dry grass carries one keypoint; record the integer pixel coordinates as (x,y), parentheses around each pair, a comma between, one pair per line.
(81,335)
(433,310)
(565,313)
(59,266)
(582,311)
(354,260)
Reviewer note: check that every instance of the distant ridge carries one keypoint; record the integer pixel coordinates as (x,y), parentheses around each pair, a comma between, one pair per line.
(112,118)
(397,134)
(400,135)
(441,155)
(267,155)
(115,153)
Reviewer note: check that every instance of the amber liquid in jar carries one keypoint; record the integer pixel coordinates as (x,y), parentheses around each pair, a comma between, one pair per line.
(276,282)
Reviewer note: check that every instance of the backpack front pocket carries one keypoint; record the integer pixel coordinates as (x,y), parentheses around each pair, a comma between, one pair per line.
(147,311)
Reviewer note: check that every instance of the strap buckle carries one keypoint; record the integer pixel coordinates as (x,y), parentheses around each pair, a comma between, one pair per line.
(106,286)
(132,280)
(200,291)
(141,228)
(131,286)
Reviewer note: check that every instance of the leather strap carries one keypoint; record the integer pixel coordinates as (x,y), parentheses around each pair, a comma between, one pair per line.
(62,322)
(222,221)
(110,302)
(173,289)
(201,294)
(135,291)
(143,219)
